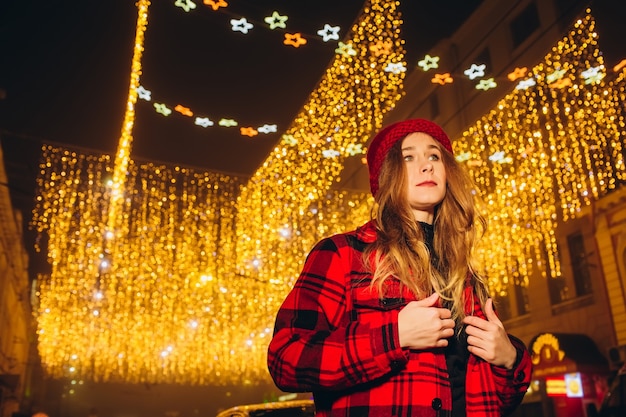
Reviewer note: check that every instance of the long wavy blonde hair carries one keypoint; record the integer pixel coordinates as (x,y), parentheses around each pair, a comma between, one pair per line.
(400,250)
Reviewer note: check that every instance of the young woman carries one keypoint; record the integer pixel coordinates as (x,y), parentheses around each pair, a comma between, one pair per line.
(392,319)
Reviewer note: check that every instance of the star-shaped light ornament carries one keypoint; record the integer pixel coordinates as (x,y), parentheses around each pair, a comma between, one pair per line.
(204,122)
(475,71)
(593,75)
(276,20)
(556,75)
(517,73)
(381,48)
(267,129)
(462,157)
(429,62)
(562,83)
(296,40)
(227,123)
(345,49)
(248,131)
(354,149)
(163,109)
(144,94)
(442,79)
(330,153)
(241,25)
(395,68)
(329,33)
(186,5)
(185,111)
(526,84)
(486,84)
(289,140)
(500,157)
(215,5)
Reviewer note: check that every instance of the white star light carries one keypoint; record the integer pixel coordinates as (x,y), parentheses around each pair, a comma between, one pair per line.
(329,33)
(395,68)
(204,121)
(241,25)
(593,75)
(525,84)
(144,94)
(475,71)
(267,129)
(330,153)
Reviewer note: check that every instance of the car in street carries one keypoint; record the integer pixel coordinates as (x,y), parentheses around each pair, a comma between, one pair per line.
(292,408)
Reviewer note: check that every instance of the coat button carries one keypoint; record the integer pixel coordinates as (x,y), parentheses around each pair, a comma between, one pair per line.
(436,404)
(520,376)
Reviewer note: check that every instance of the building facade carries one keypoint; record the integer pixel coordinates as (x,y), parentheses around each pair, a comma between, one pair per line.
(17,337)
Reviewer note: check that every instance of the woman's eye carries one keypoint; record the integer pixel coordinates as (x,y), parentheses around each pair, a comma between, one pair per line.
(408,157)
(434,157)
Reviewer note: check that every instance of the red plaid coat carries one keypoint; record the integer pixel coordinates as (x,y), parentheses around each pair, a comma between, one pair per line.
(335,337)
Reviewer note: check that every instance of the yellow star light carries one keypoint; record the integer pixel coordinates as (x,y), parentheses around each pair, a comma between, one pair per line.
(556,75)
(186,5)
(162,108)
(345,49)
(486,84)
(276,21)
(227,123)
(429,62)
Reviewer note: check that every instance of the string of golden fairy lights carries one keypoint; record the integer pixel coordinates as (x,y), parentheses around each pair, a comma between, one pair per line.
(167,300)
(201,261)
(552,148)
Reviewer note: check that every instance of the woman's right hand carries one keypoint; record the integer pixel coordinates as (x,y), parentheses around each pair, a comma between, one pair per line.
(422,325)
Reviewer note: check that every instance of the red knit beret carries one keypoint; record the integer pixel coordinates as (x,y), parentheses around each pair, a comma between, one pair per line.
(388,136)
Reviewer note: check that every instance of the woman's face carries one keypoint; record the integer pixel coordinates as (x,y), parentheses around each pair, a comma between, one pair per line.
(426,174)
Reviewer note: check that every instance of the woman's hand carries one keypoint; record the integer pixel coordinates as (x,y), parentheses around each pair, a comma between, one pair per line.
(488,340)
(421,325)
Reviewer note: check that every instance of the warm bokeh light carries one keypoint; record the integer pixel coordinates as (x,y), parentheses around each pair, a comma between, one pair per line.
(545,152)
(163,274)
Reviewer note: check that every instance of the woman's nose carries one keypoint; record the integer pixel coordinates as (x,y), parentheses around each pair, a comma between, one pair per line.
(427,167)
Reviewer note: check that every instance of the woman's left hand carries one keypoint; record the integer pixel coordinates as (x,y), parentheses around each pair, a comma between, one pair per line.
(488,340)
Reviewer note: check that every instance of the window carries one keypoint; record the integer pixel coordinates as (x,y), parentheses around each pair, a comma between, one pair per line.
(580,264)
(484,58)
(524,24)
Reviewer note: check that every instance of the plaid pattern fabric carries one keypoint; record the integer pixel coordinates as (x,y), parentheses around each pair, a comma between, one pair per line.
(337,338)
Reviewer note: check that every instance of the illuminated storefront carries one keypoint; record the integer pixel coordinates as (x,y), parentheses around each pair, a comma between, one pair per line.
(570,373)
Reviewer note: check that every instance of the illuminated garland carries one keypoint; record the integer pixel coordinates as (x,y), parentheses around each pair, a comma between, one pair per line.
(544,152)
(274,21)
(187,290)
